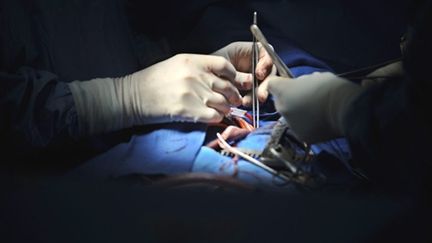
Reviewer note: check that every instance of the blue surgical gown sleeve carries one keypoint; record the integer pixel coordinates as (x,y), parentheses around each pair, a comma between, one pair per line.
(37,110)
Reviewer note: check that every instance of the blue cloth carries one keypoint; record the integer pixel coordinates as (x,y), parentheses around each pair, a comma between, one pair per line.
(167,149)
(331,161)
(38,108)
(210,161)
(335,151)
(176,148)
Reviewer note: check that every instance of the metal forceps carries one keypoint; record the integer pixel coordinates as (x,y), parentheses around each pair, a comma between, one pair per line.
(255,101)
(283,70)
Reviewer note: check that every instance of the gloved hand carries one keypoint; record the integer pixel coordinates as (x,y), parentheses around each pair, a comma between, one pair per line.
(314,105)
(186,87)
(387,72)
(240,55)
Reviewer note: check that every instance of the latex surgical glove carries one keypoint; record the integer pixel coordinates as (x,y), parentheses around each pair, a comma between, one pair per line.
(388,72)
(186,87)
(314,105)
(240,55)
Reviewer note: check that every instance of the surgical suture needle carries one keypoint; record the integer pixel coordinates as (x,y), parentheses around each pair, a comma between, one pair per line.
(255,101)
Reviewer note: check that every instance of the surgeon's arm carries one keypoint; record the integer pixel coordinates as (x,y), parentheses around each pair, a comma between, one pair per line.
(314,105)
(184,88)
(386,132)
(36,109)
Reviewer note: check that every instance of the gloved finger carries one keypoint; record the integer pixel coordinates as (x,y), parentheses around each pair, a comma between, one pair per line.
(273,70)
(228,90)
(262,92)
(210,115)
(239,54)
(383,73)
(247,100)
(218,102)
(221,67)
(264,65)
(243,81)
(275,84)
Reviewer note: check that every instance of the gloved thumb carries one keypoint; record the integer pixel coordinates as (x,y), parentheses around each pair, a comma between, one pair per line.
(276,84)
(243,81)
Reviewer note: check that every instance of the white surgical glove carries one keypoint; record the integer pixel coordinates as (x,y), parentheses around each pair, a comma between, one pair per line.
(388,72)
(314,105)
(240,55)
(186,87)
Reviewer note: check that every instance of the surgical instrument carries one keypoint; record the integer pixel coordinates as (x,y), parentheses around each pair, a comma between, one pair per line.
(283,70)
(255,101)
(248,158)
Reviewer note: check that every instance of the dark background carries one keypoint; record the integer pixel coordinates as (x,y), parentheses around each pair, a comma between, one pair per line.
(346,34)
